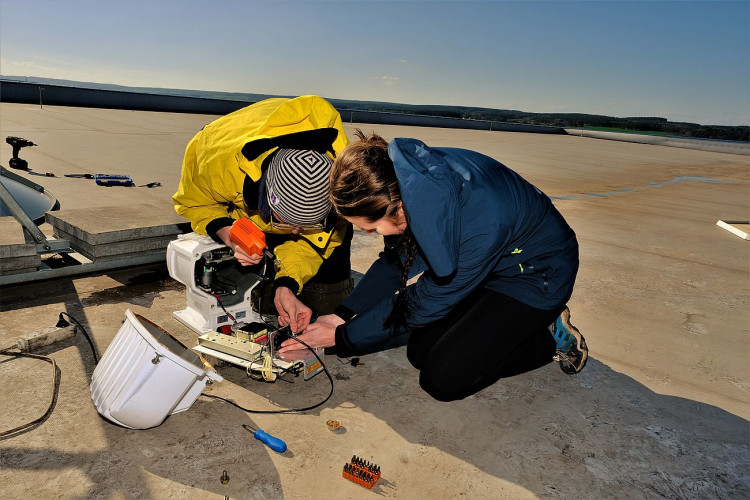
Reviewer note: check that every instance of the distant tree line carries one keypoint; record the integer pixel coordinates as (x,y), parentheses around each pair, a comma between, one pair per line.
(650,124)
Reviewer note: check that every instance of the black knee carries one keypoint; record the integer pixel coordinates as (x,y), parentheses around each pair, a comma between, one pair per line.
(442,387)
(415,356)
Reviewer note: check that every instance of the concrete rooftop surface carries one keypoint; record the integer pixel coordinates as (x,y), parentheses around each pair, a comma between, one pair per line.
(660,411)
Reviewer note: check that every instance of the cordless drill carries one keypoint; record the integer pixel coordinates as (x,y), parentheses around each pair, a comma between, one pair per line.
(249,237)
(17,143)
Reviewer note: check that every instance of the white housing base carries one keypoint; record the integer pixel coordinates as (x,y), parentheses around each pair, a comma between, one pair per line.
(146,375)
(203,313)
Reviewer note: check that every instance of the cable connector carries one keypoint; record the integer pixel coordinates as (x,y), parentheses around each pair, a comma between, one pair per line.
(61,322)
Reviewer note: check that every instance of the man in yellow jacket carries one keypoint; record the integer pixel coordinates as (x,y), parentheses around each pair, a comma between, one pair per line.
(270,162)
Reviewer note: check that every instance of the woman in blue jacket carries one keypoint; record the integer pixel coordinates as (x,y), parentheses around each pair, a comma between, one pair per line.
(497,262)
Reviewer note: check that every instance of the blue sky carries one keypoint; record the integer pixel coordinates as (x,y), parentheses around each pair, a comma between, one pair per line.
(681,60)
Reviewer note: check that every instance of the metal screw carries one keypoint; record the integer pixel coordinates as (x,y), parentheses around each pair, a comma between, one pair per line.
(224,478)
(156,359)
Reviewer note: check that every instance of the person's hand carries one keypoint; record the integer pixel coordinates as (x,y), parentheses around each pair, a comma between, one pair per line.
(331,320)
(291,311)
(322,333)
(242,257)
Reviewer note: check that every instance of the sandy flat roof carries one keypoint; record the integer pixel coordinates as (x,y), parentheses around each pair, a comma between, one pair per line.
(662,298)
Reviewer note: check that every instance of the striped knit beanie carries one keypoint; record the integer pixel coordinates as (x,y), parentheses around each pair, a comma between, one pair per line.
(297,186)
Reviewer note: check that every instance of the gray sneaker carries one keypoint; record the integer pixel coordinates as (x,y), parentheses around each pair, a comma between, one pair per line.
(572,352)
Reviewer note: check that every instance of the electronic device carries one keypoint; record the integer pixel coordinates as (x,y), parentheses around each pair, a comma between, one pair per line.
(258,357)
(218,289)
(219,309)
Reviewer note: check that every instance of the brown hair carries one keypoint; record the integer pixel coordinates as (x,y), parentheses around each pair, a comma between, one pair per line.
(364,184)
(363,180)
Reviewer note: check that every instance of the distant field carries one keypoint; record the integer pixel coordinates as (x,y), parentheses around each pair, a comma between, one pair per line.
(626,131)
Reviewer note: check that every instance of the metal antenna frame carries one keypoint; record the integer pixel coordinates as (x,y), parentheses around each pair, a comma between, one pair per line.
(43,245)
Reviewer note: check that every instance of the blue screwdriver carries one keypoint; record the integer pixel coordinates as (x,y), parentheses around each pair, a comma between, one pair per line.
(274,443)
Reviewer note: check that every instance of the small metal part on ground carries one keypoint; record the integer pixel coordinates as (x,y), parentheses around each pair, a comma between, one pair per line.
(80,176)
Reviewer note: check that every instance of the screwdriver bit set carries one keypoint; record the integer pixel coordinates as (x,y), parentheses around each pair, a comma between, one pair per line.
(361,472)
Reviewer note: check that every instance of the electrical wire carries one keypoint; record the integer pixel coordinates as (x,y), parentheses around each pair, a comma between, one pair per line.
(248,368)
(61,323)
(218,300)
(53,395)
(267,366)
(289,410)
(295,369)
(270,376)
(352,361)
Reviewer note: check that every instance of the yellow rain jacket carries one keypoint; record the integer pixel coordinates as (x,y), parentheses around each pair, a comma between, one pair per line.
(220,156)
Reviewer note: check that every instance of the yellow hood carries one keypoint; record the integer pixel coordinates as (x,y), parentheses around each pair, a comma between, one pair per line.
(222,141)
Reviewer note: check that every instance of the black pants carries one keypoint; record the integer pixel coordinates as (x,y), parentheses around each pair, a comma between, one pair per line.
(486,337)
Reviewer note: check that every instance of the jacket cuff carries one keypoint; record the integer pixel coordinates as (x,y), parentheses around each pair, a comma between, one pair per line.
(344,312)
(287,282)
(343,347)
(213,227)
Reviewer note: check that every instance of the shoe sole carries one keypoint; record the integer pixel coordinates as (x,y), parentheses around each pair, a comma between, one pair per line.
(581,348)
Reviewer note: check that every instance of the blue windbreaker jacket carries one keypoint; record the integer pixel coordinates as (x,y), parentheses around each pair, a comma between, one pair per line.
(477,224)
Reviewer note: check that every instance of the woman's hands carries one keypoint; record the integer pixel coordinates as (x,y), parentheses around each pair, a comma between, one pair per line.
(322,333)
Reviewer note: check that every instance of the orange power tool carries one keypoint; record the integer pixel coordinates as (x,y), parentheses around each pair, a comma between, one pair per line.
(248,236)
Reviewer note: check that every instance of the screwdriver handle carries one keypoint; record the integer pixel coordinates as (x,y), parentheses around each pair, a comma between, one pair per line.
(274,443)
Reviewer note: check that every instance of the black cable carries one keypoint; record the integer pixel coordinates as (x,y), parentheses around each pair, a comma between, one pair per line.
(290,410)
(55,381)
(294,368)
(352,361)
(264,280)
(61,323)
